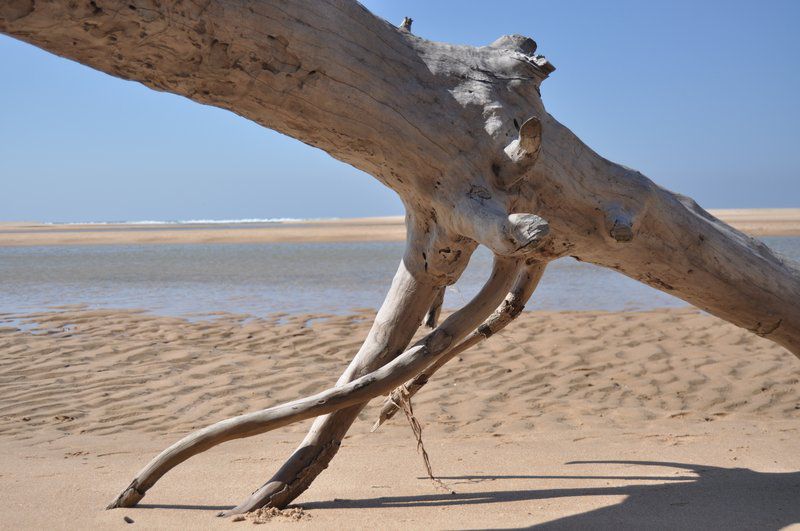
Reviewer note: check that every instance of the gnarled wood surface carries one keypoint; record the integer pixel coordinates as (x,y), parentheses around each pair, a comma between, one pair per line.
(460,133)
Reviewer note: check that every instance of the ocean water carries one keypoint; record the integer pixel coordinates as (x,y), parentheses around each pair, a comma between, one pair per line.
(258,279)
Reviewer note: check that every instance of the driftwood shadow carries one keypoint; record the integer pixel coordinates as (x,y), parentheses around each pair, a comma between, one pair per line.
(714,498)
(185,507)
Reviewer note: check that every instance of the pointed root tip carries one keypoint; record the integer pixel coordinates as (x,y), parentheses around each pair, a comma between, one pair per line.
(430,320)
(240,510)
(128,498)
(387,411)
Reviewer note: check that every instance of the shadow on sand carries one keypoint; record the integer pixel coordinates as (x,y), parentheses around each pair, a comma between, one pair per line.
(713,498)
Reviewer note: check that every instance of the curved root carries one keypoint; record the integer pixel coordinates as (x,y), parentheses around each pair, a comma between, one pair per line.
(524,285)
(325,436)
(355,392)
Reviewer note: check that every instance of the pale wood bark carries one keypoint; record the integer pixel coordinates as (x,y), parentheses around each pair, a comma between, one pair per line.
(460,133)
(350,392)
(527,279)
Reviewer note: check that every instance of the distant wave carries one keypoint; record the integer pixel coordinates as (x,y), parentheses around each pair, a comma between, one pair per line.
(191,221)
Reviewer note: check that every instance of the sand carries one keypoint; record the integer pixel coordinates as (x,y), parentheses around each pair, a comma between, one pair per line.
(659,419)
(763,221)
(345,230)
(758,222)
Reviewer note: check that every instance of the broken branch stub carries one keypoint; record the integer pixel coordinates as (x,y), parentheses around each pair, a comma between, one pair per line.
(432,317)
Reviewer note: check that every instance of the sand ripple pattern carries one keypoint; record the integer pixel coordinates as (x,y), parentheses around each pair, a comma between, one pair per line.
(76,370)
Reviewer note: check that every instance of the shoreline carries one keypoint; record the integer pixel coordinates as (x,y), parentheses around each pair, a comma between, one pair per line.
(755,222)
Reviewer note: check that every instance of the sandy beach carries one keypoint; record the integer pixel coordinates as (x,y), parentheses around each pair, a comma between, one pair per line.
(336,230)
(178,268)
(757,222)
(660,419)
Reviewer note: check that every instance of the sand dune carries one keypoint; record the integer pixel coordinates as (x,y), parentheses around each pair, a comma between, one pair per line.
(91,395)
(758,222)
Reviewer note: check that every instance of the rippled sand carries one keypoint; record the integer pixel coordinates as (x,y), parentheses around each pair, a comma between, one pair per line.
(89,396)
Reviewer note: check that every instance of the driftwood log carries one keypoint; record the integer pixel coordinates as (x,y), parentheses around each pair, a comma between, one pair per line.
(461,134)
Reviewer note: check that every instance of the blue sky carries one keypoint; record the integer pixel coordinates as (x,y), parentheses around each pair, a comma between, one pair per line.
(703,97)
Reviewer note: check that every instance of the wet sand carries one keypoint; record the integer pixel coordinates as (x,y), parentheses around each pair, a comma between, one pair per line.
(757,222)
(344,230)
(701,417)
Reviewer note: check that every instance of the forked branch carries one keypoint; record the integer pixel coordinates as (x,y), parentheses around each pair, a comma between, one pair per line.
(358,391)
(524,286)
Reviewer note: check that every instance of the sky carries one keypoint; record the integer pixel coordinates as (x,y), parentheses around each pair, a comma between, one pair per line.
(703,97)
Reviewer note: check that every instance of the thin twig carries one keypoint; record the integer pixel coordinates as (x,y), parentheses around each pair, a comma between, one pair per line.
(416,427)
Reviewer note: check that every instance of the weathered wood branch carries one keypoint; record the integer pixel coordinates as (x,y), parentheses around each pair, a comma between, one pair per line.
(432,317)
(355,392)
(420,277)
(524,285)
(460,133)
(318,448)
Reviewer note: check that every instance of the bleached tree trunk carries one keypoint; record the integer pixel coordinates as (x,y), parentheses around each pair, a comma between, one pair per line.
(461,134)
